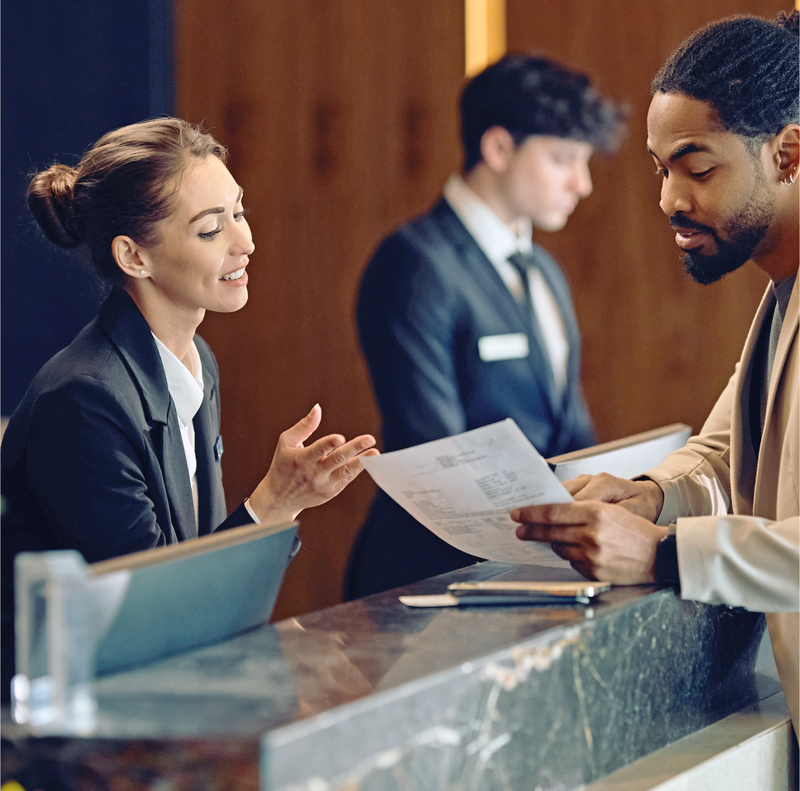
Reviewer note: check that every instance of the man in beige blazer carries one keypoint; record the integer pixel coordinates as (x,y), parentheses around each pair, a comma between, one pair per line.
(719,516)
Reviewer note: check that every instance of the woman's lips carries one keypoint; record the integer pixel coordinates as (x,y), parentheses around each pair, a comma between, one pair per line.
(236,278)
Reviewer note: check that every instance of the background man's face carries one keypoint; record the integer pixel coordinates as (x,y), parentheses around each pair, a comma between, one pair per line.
(545,178)
(713,190)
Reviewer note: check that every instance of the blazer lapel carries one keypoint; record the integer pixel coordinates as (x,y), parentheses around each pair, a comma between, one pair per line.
(130,333)
(208,450)
(787,337)
(176,478)
(471,259)
(743,456)
(783,383)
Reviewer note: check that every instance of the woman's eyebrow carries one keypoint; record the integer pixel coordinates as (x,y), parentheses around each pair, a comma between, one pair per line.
(216,209)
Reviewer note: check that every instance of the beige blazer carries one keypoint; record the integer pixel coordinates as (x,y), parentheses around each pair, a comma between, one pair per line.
(738,526)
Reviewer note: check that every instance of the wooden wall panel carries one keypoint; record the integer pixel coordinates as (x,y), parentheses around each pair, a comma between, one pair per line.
(657,347)
(341,120)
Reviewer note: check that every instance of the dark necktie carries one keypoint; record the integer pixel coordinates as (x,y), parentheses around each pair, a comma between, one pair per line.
(522,262)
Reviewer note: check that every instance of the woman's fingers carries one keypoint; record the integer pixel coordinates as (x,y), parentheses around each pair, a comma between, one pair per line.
(295,436)
(333,451)
(303,476)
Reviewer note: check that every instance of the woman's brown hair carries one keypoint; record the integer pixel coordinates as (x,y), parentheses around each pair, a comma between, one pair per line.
(122,186)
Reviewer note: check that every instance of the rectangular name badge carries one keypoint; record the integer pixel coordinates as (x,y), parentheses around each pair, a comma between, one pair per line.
(513,346)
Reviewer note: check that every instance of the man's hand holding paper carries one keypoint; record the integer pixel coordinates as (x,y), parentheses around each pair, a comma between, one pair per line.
(606,533)
(601,541)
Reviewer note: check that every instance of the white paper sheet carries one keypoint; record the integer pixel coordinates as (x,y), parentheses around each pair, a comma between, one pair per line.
(463,487)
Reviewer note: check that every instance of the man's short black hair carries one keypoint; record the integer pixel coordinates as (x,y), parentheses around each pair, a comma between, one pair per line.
(529,95)
(746,68)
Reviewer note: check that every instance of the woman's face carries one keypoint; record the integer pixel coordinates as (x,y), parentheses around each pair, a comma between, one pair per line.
(203,247)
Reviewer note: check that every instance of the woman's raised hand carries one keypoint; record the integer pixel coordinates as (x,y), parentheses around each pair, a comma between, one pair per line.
(304,476)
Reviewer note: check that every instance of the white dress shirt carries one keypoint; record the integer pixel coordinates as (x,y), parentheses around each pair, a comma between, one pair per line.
(498,242)
(186,389)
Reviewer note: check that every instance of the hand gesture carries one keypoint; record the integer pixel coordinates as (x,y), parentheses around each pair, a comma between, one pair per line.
(303,476)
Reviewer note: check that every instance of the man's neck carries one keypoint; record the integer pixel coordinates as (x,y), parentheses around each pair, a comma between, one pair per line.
(780,259)
(778,254)
(480,180)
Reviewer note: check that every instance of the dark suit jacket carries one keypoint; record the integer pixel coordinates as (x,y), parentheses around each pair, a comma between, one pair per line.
(92,458)
(427,297)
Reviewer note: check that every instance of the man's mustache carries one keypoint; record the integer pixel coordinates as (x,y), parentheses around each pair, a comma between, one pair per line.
(681,223)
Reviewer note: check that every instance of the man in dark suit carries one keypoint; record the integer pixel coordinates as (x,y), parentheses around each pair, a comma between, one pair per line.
(463,320)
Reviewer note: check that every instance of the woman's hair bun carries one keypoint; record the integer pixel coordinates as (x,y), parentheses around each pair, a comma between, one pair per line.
(50,202)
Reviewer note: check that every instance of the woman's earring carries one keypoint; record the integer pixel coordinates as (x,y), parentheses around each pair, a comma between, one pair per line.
(142,273)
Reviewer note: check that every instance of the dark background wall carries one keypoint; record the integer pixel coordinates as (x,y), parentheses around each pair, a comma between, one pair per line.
(71,71)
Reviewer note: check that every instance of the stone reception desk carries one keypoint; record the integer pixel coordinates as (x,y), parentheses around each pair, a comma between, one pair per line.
(374,696)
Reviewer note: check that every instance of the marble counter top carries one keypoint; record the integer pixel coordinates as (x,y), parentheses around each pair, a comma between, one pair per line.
(374,695)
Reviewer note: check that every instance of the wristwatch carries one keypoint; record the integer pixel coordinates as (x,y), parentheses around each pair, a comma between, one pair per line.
(666,565)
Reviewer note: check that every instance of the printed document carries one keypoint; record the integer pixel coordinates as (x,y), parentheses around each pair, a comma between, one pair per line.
(463,487)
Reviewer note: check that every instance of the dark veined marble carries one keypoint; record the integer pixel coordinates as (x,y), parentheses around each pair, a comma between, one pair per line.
(374,696)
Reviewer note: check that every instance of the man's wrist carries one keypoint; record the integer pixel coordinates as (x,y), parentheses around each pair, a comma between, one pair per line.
(653,493)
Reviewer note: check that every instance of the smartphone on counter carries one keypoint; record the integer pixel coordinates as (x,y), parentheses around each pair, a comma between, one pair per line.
(500,593)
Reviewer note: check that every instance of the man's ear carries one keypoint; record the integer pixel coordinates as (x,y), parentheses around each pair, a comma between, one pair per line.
(497,148)
(787,151)
(130,257)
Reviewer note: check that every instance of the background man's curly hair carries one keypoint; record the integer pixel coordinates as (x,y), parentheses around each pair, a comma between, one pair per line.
(746,68)
(529,95)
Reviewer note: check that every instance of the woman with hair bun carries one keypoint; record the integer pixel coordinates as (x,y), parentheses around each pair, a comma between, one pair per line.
(116,445)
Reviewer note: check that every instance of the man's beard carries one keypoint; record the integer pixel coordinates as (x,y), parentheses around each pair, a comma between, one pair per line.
(744,234)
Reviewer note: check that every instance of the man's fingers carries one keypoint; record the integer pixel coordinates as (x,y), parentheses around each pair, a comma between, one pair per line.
(553,514)
(604,487)
(574,485)
(548,534)
(584,569)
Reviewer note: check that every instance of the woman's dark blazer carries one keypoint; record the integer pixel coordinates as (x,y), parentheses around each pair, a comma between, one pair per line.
(92,458)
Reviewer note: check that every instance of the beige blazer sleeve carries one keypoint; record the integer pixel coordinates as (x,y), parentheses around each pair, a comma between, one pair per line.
(738,529)
(742,561)
(738,526)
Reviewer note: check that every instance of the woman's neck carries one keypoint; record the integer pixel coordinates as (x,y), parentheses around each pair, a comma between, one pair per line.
(173,327)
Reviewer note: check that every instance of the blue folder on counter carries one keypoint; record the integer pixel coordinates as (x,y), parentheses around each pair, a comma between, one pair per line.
(77,621)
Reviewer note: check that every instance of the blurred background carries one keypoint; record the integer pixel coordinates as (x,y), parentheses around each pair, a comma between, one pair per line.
(341,120)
